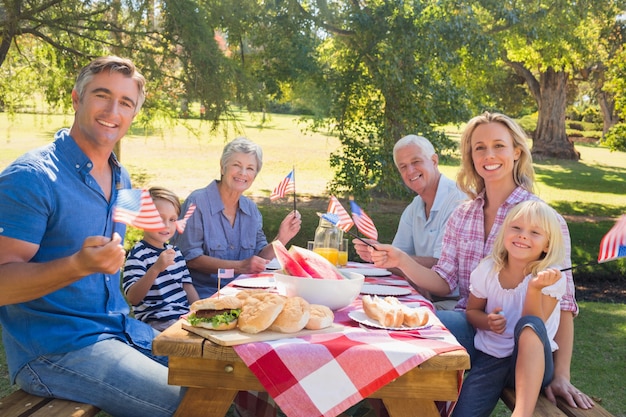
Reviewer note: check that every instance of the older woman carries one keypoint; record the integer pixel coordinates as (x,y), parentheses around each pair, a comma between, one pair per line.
(497,173)
(226,231)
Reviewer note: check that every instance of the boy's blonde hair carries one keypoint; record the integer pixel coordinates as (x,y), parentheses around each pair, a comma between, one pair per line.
(539,214)
(167,195)
(468,179)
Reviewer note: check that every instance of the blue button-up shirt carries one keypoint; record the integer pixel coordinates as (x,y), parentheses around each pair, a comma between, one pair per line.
(208,232)
(48,197)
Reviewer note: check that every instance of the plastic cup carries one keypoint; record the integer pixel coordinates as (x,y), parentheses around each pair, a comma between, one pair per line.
(342,256)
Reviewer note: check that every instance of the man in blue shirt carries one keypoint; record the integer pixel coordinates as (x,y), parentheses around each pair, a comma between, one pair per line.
(66,328)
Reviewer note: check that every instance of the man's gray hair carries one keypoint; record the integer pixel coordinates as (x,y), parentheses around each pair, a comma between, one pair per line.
(421,142)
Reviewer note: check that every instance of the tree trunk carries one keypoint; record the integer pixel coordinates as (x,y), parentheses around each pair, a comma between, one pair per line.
(550,140)
(550,92)
(609,115)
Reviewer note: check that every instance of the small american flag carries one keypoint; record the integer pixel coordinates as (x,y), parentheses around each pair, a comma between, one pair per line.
(135,208)
(182,223)
(613,244)
(287,185)
(363,222)
(335,207)
(226,273)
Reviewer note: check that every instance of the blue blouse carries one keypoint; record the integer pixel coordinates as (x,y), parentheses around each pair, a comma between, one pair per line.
(209,232)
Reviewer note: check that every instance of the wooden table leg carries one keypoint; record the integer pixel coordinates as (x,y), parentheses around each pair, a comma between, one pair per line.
(201,402)
(407,408)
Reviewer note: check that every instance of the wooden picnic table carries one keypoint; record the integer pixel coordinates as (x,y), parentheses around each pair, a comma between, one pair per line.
(214,375)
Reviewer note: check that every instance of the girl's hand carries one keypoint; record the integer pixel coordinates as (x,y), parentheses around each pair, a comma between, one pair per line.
(545,278)
(496,321)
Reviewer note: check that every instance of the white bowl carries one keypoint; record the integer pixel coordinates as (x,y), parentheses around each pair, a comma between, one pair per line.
(333,293)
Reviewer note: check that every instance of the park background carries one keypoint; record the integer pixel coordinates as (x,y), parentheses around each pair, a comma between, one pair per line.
(327,87)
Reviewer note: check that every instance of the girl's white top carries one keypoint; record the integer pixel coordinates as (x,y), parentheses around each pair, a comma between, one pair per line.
(484,283)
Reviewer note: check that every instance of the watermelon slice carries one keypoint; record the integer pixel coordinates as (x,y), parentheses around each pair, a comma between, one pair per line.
(315,264)
(287,262)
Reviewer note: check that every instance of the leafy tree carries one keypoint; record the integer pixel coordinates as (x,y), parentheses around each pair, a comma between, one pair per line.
(548,43)
(392,66)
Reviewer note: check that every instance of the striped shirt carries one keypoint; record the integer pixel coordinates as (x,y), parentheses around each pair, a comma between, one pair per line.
(464,245)
(166,299)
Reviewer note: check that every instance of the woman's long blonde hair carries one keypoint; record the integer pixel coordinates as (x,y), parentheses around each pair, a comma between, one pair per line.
(538,214)
(468,179)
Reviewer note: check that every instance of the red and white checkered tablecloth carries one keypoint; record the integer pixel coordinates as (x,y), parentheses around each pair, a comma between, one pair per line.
(325,374)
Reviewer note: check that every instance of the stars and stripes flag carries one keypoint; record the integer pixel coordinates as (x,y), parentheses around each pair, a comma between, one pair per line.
(363,222)
(335,207)
(613,244)
(287,185)
(136,208)
(182,223)
(223,273)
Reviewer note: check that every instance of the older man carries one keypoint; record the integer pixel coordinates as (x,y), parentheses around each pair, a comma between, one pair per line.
(423,222)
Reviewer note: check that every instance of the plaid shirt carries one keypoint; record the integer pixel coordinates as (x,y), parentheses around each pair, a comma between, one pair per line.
(464,245)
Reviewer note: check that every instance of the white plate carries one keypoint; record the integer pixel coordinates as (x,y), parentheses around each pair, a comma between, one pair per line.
(262,282)
(374,289)
(273,265)
(368,272)
(360,317)
(395,282)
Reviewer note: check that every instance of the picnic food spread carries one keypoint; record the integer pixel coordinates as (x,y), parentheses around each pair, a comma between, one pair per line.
(390,312)
(255,311)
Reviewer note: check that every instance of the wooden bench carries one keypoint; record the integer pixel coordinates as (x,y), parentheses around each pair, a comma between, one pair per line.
(22,404)
(545,408)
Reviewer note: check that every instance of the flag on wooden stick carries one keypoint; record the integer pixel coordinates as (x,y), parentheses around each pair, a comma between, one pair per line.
(613,244)
(287,185)
(363,222)
(335,207)
(182,223)
(136,208)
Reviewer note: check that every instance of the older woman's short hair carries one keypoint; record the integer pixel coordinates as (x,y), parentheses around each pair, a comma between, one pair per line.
(420,141)
(245,146)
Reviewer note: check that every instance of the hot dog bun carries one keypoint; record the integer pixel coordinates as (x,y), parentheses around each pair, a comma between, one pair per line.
(390,312)
(387,314)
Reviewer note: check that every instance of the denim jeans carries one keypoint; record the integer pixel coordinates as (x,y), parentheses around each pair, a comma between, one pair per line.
(457,323)
(483,384)
(117,378)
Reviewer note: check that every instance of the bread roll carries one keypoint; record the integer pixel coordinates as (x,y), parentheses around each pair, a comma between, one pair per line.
(293,317)
(228,302)
(259,311)
(321,317)
(415,317)
(386,312)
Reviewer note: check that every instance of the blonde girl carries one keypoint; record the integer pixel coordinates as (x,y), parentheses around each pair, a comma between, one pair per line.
(514,306)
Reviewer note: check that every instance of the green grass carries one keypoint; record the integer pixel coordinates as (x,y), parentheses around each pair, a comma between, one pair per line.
(175,158)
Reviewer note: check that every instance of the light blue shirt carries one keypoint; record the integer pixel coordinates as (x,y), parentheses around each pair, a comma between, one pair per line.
(421,236)
(48,197)
(209,232)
